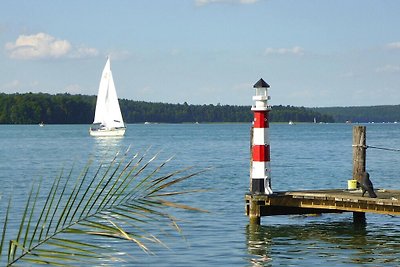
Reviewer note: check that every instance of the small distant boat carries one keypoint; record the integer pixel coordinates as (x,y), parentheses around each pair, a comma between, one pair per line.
(291,123)
(108,117)
(41,124)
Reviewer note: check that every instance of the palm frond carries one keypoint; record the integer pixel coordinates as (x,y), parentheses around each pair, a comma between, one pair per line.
(3,235)
(118,200)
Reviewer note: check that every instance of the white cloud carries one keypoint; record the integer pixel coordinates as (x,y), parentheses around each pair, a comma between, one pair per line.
(395,45)
(388,69)
(36,46)
(206,2)
(43,45)
(296,50)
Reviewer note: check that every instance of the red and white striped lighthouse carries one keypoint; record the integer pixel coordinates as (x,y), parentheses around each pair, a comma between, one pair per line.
(260,174)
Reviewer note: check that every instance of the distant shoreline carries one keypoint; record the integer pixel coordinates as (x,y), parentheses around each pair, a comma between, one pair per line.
(33,108)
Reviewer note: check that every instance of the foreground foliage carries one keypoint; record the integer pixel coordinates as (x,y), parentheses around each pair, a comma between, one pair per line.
(114,201)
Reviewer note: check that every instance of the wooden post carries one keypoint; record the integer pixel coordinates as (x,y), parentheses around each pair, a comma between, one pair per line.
(359,218)
(254,212)
(359,151)
(359,162)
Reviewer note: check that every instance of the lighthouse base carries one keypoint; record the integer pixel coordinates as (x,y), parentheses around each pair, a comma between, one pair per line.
(261,186)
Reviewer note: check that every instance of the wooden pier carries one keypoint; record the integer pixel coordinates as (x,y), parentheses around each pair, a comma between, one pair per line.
(328,201)
(322,201)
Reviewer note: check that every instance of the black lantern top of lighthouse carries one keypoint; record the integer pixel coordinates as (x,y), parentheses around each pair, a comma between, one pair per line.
(261,84)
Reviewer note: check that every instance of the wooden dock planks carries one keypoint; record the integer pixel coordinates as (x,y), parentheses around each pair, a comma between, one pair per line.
(322,201)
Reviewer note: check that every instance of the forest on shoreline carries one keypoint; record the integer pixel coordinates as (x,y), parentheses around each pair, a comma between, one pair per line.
(363,114)
(32,108)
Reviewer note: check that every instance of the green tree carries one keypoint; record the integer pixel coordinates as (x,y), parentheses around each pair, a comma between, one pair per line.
(65,108)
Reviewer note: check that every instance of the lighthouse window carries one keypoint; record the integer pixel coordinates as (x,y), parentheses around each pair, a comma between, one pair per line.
(261,91)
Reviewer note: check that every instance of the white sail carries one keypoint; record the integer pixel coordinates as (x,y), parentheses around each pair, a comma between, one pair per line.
(108,118)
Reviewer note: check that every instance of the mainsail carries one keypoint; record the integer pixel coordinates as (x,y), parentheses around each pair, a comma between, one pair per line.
(108,113)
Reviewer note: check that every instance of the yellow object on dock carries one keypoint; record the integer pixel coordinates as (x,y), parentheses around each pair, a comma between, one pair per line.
(351,184)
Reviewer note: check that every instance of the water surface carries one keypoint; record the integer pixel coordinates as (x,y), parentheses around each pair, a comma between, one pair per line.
(303,156)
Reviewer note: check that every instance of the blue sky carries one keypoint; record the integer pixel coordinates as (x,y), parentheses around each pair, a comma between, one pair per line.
(313,53)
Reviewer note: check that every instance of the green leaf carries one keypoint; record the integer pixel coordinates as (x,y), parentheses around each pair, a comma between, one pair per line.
(114,200)
(3,235)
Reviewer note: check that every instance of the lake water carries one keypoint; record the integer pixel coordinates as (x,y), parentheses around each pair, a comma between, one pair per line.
(303,156)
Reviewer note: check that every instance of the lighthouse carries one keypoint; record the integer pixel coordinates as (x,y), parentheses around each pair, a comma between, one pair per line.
(260,173)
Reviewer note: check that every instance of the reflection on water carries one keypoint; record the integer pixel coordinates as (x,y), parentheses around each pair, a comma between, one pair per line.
(338,243)
(108,142)
(259,242)
(108,145)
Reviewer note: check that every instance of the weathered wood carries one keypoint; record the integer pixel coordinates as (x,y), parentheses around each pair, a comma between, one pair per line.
(253,211)
(322,201)
(359,151)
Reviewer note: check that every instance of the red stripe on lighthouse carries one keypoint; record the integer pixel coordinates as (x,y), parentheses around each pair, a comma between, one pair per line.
(261,119)
(261,153)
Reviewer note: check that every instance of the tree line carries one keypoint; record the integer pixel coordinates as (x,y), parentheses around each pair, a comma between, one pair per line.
(363,114)
(32,108)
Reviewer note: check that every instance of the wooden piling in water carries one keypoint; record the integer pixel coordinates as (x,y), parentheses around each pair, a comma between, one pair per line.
(254,213)
(359,151)
(359,162)
(359,218)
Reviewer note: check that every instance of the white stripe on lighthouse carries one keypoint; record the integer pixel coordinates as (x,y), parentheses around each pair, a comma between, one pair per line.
(260,169)
(260,136)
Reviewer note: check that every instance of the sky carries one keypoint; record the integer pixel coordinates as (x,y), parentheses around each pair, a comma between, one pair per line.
(312,53)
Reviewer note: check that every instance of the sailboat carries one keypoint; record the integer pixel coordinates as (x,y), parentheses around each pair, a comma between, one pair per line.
(107,118)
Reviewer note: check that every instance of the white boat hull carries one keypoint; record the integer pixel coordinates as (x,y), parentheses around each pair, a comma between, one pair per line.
(107,132)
